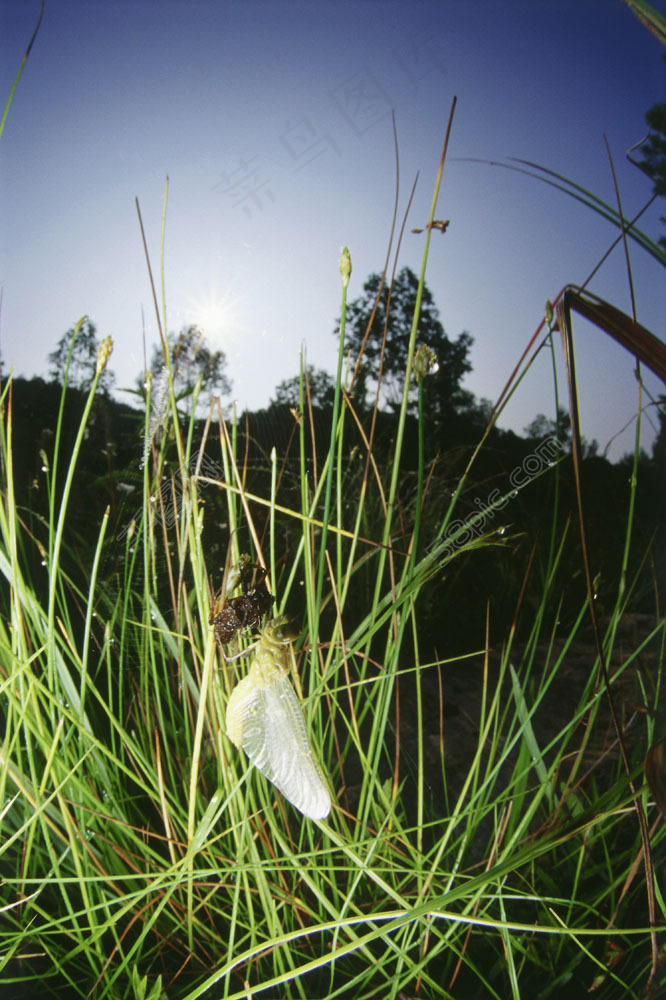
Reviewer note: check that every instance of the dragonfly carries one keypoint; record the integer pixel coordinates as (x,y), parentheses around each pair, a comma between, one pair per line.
(265,718)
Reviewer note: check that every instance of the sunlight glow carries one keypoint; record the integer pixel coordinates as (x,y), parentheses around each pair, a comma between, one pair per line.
(217,317)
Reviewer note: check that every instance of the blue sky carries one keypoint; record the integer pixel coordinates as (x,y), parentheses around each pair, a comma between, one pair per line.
(273,122)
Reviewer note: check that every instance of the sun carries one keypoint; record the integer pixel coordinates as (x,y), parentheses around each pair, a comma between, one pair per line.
(216,315)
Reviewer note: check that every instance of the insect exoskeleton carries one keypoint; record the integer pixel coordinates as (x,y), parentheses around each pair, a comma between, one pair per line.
(265,718)
(248,609)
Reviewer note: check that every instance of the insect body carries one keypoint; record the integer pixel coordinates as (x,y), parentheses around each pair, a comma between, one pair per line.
(264,717)
(247,609)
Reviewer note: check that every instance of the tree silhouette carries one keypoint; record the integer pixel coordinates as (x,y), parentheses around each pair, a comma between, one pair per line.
(321,384)
(191,359)
(659,445)
(653,149)
(83,361)
(543,427)
(444,395)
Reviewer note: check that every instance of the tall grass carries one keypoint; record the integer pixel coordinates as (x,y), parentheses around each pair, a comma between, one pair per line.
(141,855)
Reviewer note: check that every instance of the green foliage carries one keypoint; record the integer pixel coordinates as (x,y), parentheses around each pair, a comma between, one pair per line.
(481,835)
(483,838)
(653,20)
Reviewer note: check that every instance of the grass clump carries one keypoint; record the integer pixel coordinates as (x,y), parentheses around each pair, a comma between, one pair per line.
(483,839)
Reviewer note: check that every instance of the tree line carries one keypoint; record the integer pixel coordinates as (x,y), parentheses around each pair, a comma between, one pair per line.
(109,473)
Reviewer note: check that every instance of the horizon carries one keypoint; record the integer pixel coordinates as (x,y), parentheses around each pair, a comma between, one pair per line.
(277,156)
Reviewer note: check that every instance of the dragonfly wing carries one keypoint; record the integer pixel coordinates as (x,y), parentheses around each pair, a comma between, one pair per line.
(265,718)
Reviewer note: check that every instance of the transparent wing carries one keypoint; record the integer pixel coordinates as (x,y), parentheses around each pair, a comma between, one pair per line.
(265,718)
